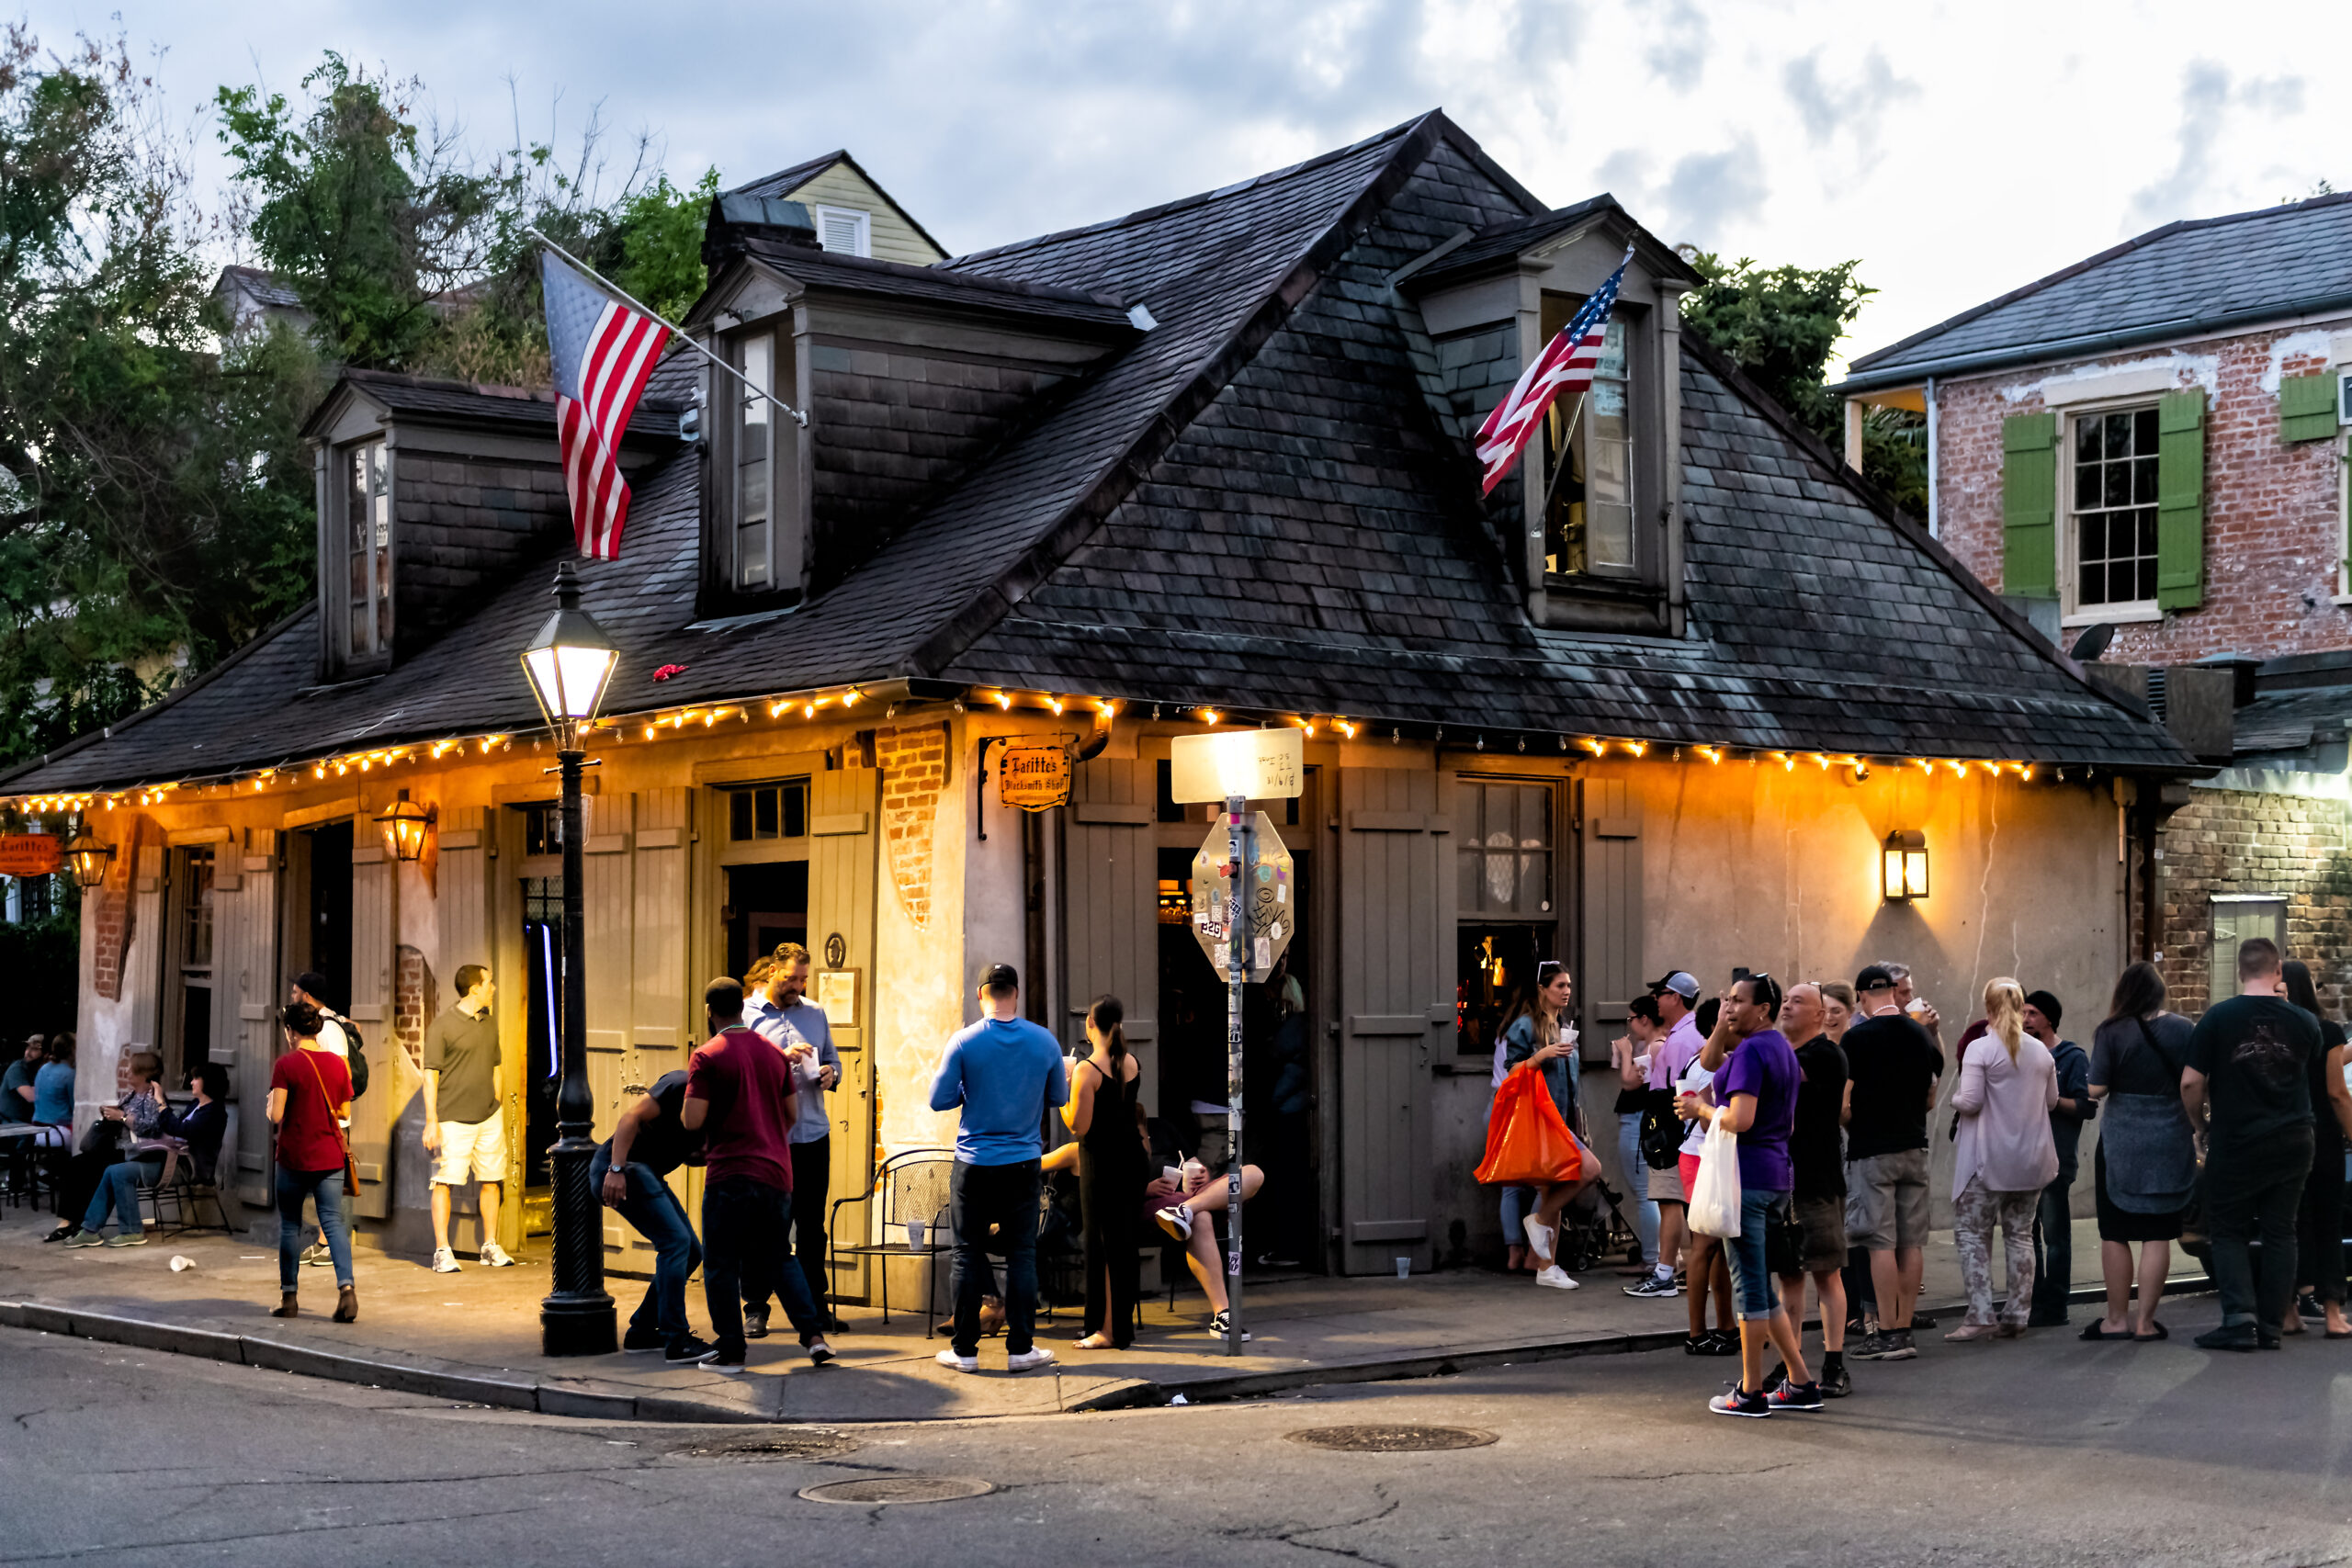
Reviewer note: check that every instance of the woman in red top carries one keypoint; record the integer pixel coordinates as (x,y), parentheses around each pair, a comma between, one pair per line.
(310,1087)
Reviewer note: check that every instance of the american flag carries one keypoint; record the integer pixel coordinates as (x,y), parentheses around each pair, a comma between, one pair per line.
(603,353)
(1565,366)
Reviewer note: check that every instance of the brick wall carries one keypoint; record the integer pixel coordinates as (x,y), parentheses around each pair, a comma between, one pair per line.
(2272,511)
(415,1002)
(463,528)
(913,760)
(2292,846)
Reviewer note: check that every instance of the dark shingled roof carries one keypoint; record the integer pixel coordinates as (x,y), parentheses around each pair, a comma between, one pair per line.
(1258,504)
(936,285)
(2197,277)
(262,287)
(783,182)
(1490,248)
(514,408)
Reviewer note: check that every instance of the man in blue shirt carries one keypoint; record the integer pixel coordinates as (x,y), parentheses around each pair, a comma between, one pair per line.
(1006,1073)
(798,1028)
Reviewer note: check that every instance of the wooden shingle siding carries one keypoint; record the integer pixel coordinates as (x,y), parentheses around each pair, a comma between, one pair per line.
(462,526)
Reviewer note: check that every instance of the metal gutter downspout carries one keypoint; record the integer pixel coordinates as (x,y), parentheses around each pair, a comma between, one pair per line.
(1935,530)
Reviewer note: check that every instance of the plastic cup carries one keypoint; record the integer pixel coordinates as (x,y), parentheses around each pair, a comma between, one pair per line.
(1404,1268)
(914,1235)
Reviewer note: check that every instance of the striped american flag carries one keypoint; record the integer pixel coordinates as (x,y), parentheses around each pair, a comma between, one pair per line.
(603,353)
(1565,366)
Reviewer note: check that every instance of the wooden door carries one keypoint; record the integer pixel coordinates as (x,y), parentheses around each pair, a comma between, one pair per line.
(1110,900)
(1609,853)
(372,941)
(843,846)
(1395,952)
(245,992)
(608,909)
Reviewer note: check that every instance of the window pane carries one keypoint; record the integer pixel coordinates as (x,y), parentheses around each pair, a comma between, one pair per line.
(796,811)
(751,464)
(2118,435)
(2143,430)
(764,813)
(2143,482)
(2114,495)
(738,815)
(2118,485)
(2087,440)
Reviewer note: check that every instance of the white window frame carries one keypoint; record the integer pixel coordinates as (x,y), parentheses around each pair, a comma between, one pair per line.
(861,221)
(378,649)
(2073,613)
(744,401)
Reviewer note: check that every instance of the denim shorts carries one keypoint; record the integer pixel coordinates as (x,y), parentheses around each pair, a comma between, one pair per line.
(1751,1273)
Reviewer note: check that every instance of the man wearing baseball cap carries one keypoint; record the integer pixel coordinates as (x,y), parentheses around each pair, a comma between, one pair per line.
(1005,1072)
(1893,1066)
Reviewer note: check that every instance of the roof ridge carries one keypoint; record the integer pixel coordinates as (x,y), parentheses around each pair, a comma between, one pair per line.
(2112,253)
(772,250)
(1146,214)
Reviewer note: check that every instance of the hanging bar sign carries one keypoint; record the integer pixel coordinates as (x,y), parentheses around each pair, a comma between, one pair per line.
(1033,775)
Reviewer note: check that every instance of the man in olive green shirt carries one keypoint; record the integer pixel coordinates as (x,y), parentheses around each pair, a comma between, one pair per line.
(465,1120)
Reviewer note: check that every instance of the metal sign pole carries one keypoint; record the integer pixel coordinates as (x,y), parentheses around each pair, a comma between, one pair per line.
(1237,928)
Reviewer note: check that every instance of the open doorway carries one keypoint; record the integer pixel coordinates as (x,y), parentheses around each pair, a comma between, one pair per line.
(542,1068)
(317,931)
(766,905)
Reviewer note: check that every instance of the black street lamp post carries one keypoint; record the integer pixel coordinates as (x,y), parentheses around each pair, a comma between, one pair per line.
(570,664)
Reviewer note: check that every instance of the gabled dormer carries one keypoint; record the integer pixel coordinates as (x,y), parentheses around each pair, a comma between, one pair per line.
(1590,518)
(909,376)
(849,212)
(430,494)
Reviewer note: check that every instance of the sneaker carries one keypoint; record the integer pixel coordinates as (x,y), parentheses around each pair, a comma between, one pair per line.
(317,1256)
(755,1323)
(2228,1337)
(1221,1324)
(687,1350)
(86,1239)
(960,1363)
(1877,1346)
(2307,1307)
(1555,1277)
(1739,1401)
(1177,1221)
(727,1359)
(129,1238)
(1538,1237)
(1727,1342)
(494,1257)
(1902,1349)
(1787,1396)
(444,1260)
(1921,1320)
(1836,1383)
(1028,1359)
(643,1342)
(1653,1286)
(819,1351)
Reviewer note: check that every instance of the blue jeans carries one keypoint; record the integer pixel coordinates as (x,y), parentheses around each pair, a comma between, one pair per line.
(324,1188)
(119,1191)
(1518,1203)
(1005,1196)
(2053,1251)
(1634,1172)
(655,1213)
(1751,1277)
(747,1239)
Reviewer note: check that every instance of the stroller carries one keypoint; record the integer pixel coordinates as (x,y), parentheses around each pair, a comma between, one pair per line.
(1592,1228)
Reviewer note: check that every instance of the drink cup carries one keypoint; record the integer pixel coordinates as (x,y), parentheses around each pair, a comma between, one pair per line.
(1404,1268)
(915,1235)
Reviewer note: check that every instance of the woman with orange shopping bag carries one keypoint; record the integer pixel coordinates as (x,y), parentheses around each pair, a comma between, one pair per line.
(1537,1037)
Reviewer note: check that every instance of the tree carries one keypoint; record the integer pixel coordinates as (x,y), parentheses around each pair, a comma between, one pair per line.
(154,511)
(1779,325)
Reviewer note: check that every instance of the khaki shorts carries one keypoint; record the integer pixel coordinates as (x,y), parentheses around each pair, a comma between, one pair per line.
(1665,1186)
(1824,1220)
(471,1151)
(1886,1200)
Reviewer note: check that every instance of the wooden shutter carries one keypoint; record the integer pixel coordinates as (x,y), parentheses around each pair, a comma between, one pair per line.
(653,1009)
(1611,846)
(1392,1006)
(469,850)
(608,911)
(843,806)
(2030,505)
(1110,900)
(371,1009)
(2180,500)
(2307,407)
(245,995)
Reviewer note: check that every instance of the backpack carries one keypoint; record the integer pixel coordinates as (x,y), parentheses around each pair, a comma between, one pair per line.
(355,1057)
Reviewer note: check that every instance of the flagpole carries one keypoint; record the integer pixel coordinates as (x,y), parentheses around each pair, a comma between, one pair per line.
(1552,490)
(675,331)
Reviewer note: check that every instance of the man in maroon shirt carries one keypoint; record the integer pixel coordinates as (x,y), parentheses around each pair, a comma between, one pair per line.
(739,1097)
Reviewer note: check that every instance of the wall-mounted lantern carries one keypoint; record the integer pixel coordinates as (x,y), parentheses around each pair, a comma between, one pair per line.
(406,827)
(1902,866)
(88,858)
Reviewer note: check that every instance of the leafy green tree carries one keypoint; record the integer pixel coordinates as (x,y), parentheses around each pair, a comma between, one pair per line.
(1779,325)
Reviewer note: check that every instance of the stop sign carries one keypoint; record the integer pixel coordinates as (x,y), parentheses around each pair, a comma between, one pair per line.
(1270,899)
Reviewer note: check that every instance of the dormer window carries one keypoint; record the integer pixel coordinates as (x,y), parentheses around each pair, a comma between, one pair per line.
(754,468)
(365,538)
(845,229)
(1589,524)
(757,539)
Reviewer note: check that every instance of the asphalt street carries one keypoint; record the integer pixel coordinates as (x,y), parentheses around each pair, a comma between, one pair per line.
(2047,1452)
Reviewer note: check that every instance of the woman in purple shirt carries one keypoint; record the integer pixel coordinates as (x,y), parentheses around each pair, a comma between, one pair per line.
(1755,1095)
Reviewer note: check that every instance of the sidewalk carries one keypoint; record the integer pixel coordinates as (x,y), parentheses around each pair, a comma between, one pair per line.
(473,1337)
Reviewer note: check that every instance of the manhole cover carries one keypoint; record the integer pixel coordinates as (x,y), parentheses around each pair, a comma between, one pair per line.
(876,1489)
(1392,1440)
(771,1445)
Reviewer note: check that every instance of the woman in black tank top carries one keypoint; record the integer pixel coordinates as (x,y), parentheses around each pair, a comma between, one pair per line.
(1102,1112)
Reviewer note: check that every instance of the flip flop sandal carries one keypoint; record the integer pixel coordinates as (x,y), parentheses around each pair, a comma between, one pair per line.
(2093,1331)
(2339,1333)
(2161,1333)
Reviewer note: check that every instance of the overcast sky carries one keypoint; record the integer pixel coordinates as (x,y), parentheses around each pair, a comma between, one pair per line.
(1958,150)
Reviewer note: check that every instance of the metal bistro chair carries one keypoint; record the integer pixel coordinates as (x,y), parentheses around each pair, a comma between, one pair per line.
(910,1189)
(190,1186)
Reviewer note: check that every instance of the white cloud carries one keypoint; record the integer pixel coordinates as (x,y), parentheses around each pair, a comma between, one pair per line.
(1958,150)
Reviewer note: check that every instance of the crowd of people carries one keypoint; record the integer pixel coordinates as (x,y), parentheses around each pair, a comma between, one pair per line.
(2229,1133)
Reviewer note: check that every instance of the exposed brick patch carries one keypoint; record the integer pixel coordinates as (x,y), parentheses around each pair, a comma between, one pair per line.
(913,760)
(109,908)
(2273,509)
(2290,846)
(415,1002)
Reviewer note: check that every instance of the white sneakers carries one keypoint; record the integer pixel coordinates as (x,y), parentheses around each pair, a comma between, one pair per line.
(494,1257)
(444,1260)
(1538,1237)
(1023,1362)
(1556,1278)
(949,1358)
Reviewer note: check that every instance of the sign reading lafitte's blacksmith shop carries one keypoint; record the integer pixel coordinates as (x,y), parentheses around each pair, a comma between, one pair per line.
(1034,775)
(28,854)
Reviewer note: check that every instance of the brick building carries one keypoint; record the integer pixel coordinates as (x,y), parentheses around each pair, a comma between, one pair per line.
(2147,449)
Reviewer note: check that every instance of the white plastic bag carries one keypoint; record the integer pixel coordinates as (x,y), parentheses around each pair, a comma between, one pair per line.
(1714,1195)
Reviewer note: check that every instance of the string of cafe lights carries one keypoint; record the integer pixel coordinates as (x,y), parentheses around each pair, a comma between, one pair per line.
(807,706)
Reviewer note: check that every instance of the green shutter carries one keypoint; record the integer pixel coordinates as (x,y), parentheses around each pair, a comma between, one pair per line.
(2030,506)
(2307,407)
(2180,500)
